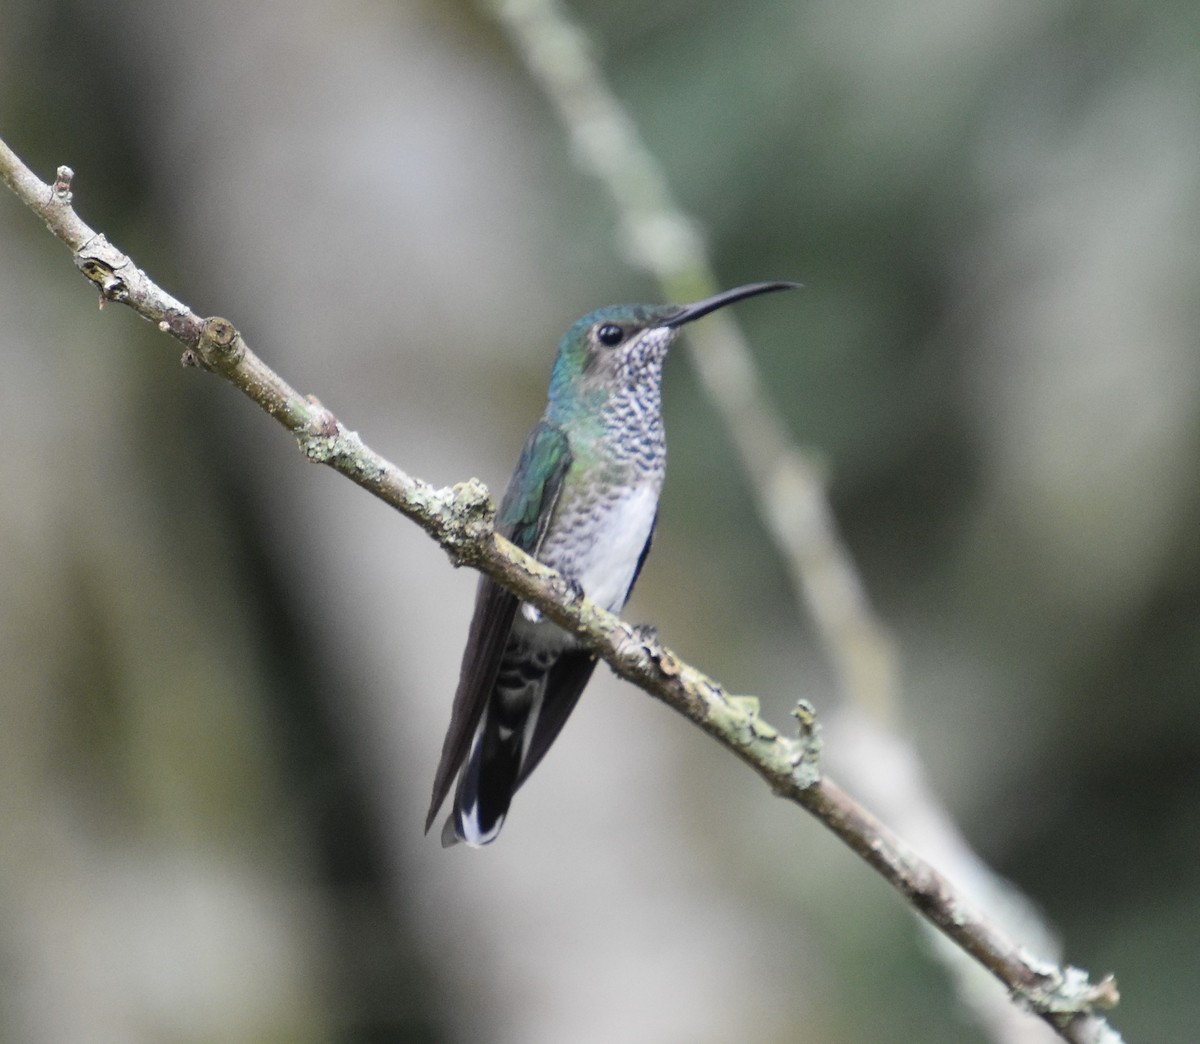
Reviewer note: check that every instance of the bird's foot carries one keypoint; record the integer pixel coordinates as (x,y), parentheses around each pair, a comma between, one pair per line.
(645,634)
(572,594)
(573,590)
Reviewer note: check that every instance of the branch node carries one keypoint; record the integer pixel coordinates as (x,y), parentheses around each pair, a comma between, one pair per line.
(60,191)
(220,345)
(466,516)
(1067,992)
(324,423)
(323,440)
(1105,993)
(806,756)
(806,718)
(473,501)
(99,260)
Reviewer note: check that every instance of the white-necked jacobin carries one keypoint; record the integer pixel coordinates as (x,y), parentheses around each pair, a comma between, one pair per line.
(583,499)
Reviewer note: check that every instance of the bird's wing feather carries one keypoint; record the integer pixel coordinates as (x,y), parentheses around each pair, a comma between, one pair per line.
(528,504)
(566,679)
(523,518)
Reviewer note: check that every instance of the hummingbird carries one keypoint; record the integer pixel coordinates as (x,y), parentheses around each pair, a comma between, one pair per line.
(583,500)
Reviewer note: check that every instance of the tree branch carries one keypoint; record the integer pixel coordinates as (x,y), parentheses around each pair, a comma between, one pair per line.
(460,519)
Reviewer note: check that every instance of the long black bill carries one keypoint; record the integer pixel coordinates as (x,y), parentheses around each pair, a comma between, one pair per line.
(727,297)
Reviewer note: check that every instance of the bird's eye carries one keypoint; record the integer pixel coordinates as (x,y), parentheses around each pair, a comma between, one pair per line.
(610,334)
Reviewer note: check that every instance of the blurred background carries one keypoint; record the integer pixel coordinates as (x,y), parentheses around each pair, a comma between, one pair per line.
(226,673)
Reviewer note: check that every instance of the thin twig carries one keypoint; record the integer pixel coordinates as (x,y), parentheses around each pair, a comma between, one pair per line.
(460,517)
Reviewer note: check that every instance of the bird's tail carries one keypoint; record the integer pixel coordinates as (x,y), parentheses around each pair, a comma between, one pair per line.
(533,700)
(487,783)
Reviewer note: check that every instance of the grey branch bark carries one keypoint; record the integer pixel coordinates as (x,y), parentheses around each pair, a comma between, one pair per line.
(460,519)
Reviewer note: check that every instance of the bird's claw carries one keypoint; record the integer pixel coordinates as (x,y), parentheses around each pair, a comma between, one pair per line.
(645,634)
(574,590)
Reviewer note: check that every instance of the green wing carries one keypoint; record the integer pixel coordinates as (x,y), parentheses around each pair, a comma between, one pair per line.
(533,490)
(523,518)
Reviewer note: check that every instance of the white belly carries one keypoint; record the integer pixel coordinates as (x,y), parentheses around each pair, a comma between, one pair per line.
(598,540)
(607,567)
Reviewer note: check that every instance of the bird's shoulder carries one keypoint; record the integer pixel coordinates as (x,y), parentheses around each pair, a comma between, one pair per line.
(535,486)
